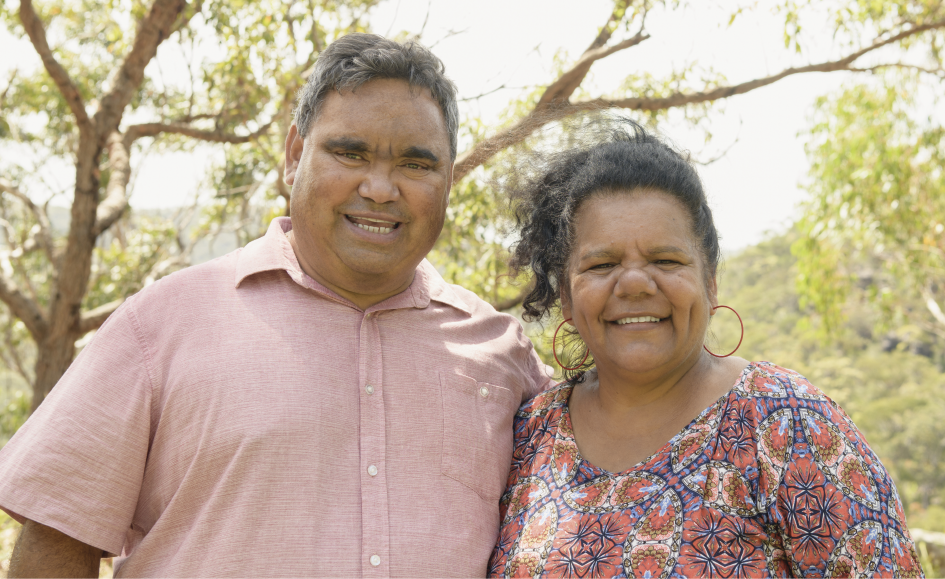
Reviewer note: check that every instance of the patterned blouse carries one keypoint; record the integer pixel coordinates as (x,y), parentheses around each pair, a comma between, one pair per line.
(772,480)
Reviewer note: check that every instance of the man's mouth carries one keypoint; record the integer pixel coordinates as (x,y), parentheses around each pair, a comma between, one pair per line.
(373,225)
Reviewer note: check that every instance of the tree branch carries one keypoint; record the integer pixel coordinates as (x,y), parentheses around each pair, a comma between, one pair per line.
(34,29)
(45,230)
(554,102)
(153,29)
(135,132)
(23,308)
(933,307)
(558,108)
(93,319)
(939,72)
(116,198)
(17,361)
(562,89)
(680,99)
(510,303)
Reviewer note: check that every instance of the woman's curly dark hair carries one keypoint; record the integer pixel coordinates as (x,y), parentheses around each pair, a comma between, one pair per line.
(614,154)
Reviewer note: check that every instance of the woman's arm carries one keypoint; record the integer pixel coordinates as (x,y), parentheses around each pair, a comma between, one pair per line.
(840,513)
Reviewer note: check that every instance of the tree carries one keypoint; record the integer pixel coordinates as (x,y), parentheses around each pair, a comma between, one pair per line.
(876,218)
(93,86)
(96,99)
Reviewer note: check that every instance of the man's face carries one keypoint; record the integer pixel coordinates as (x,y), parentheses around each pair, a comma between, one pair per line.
(370,188)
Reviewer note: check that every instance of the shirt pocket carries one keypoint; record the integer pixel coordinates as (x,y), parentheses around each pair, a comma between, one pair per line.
(477,433)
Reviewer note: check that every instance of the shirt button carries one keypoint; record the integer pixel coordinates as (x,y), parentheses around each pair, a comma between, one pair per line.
(372,470)
(375,560)
(484,391)
(369,388)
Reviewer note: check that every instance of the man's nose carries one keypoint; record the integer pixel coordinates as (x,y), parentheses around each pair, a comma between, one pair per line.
(634,281)
(378,184)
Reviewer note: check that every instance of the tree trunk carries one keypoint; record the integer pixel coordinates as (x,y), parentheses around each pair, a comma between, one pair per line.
(53,357)
(57,348)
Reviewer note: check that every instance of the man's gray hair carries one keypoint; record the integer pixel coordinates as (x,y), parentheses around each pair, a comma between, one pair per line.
(355,59)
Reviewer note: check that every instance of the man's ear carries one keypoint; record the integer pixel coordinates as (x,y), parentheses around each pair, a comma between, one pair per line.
(449,182)
(294,143)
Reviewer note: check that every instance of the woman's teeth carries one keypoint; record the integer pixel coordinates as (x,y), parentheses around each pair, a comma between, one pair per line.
(623,321)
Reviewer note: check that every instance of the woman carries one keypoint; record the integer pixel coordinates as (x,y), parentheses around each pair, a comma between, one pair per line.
(655,458)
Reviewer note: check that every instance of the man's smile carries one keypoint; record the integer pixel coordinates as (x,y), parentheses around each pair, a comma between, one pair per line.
(373,225)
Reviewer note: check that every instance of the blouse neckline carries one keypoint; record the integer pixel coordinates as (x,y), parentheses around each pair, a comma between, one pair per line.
(564,429)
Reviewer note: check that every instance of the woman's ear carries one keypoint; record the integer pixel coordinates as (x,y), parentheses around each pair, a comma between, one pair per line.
(565,304)
(712,289)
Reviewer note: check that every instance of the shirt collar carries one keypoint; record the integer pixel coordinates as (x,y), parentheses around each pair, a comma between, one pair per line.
(273,252)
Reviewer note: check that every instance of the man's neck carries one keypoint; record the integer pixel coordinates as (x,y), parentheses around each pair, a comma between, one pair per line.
(362,300)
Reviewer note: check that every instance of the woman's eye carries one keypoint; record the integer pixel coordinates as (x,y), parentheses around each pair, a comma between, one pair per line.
(602,266)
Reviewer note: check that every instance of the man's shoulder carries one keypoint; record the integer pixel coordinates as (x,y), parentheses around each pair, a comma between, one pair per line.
(185,287)
(477,306)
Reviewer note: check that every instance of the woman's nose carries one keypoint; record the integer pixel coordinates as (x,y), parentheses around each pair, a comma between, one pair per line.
(634,281)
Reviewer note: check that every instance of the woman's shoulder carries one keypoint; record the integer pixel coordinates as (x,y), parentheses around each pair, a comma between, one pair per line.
(766,380)
(541,404)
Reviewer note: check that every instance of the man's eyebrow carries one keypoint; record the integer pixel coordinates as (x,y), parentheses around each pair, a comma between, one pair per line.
(420,153)
(347,144)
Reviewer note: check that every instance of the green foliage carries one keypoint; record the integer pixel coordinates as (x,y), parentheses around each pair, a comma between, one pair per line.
(855,21)
(127,258)
(877,211)
(14,404)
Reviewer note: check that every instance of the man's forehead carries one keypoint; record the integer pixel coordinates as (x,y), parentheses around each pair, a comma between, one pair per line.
(381,119)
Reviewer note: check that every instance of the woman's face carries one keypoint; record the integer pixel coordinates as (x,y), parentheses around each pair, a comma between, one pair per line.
(638,292)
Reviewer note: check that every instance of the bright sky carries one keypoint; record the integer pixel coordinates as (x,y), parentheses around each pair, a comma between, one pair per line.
(753,188)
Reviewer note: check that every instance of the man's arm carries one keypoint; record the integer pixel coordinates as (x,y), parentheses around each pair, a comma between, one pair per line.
(42,551)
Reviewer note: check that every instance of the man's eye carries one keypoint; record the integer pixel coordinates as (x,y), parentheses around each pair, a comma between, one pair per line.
(354,156)
(414,166)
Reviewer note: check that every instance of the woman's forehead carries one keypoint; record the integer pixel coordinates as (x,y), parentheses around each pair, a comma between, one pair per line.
(651,216)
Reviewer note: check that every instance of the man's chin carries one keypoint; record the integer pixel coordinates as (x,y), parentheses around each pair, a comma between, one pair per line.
(384,273)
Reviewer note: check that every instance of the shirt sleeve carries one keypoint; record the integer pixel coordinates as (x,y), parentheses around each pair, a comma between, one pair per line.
(542,376)
(840,513)
(77,464)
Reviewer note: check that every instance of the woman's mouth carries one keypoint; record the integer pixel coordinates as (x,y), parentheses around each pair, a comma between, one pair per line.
(636,320)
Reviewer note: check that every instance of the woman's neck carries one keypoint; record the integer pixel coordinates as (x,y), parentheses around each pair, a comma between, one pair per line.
(621,418)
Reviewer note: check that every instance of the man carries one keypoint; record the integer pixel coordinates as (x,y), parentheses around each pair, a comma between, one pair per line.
(320,402)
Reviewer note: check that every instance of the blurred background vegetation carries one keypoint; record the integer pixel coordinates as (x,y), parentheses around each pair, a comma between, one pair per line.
(848,292)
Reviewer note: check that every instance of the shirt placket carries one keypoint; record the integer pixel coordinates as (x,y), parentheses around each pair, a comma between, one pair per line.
(375,512)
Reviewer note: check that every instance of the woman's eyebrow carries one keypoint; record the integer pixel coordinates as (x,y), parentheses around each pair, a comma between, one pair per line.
(598,253)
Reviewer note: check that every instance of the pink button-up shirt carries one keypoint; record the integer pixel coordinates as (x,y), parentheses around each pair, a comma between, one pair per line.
(239,419)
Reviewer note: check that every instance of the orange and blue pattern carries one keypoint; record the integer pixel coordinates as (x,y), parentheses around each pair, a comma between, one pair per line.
(773,480)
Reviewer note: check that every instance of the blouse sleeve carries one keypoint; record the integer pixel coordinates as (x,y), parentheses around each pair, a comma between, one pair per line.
(840,514)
